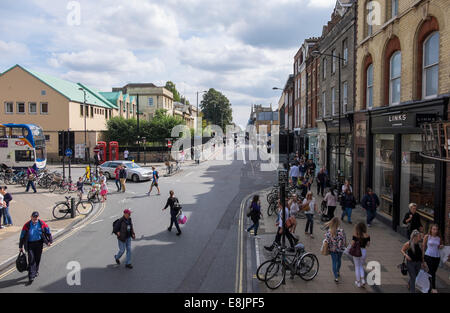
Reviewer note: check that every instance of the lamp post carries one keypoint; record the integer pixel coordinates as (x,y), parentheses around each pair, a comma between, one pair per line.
(86,149)
(316,54)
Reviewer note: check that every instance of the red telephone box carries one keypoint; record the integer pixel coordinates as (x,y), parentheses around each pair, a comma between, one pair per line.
(103,153)
(113,151)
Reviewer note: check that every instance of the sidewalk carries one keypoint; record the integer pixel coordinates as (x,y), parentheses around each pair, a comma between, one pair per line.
(385,246)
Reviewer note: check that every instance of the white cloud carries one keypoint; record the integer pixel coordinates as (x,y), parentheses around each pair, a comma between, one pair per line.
(321,3)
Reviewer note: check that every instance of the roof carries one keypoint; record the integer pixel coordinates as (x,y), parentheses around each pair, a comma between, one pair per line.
(112,97)
(69,89)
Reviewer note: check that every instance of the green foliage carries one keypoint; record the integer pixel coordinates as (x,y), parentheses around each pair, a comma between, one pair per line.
(216,108)
(176,95)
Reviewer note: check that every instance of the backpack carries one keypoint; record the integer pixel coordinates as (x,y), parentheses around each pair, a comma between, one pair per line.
(115,225)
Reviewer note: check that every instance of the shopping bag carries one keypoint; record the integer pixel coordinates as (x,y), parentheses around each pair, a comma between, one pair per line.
(21,262)
(423,281)
(347,250)
(182,219)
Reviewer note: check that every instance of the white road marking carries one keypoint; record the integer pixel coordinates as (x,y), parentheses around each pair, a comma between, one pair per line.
(113,216)
(96,222)
(188,174)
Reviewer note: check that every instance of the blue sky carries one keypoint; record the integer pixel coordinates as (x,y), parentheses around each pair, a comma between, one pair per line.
(241,48)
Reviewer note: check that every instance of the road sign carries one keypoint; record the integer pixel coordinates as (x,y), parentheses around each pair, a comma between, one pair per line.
(169,144)
(282,176)
(68,152)
(96,149)
(79,151)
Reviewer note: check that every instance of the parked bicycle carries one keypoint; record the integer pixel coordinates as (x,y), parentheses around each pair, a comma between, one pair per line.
(62,208)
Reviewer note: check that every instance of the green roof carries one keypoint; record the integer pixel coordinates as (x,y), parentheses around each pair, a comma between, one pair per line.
(112,97)
(69,89)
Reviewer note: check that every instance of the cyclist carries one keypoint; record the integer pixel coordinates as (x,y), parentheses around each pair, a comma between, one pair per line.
(155,178)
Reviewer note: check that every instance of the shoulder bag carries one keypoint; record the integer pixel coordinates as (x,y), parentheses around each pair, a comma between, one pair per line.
(355,250)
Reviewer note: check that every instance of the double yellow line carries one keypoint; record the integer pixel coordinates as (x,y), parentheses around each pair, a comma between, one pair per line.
(64,237)
(240,249)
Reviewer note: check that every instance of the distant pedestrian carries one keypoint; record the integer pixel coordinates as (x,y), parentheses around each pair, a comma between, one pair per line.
(294,208)
(337,242)
(360,242)
(311,168)
(80,187)
(174,205)
(280,230)
(302,168)
(2,207)
(103,190)
(155,178)
(125,154)
(33,236)
(321,181)
(303,186)
(123,177)
(255,214)
(432,243)
(309,205)
(412,251)
(31,176)
(294,173)
(412,220)
(124,230)
(331,199)
(370,203)
(346,186)
(348,204)
(117,178)
(7,220)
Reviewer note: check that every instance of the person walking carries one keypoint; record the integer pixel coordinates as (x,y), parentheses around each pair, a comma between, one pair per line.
(32,237)
(309,205)
(346,186)
(412,251)
(31,176)
(294,174)
(370,203)
(155,178)
(123,177)
(360,239)
(280,229)
(432,243)
(337,242)
(80,187)
(294,208)
(125,154)
(321,181)
(255,214)
(174,205)
(117,178)
(7,220)
(103,189)
(412,220)
(348,204)
(2,207)
(302,168)
(331,199)
(124,230)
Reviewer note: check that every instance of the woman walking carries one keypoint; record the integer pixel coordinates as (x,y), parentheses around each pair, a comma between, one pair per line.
(310,207)
(414,258)
(331,199)
(255,214)
(7,221)
(360,239)
(348,204)
(432,243)
(173,202)
(337,241)
(293,210)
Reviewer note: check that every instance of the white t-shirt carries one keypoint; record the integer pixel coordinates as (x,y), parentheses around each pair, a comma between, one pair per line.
(294,208)
(1,201)
(311,206)
(280,217)
(125,154)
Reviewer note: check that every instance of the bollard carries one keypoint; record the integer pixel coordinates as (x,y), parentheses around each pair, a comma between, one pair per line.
(72,207)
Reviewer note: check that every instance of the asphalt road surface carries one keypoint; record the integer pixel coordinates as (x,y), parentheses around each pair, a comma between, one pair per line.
(202,259)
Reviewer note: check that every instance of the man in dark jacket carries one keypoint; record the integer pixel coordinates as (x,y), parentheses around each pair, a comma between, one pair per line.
(124,230)
(348,204)
(370,203)
(412,219)
(123,177)
(321,181)
(173,203)
(33,236)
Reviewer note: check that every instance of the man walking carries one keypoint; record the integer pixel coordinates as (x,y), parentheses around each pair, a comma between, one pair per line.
(123,177)
(321,181)
(125,154)
(117,178)
(2,207)
(370,203)
(294,173)
(33,236)
(7,221)
(155,178)
(124,230)
(31,176)
(348,204)
(174,204)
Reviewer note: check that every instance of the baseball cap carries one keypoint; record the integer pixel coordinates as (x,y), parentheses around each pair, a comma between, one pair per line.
(126,211)
(35,214)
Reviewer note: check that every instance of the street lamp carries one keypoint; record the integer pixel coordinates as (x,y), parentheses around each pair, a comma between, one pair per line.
(316,53)
(86,149)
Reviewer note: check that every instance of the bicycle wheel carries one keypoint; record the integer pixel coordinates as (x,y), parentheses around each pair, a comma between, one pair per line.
(262,269)
(53,187)
(307,266)
(85,207)
(275,275)
(271,209)
(60,210)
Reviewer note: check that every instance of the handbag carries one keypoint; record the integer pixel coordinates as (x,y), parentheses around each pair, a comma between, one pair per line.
(403,267)
(21,262)
(324,249)
(182,219)
(355,250)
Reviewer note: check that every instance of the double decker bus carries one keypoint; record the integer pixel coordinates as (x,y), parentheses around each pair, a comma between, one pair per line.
(22,145)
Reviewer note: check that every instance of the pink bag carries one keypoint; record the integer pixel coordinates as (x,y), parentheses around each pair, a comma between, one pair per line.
(182,219)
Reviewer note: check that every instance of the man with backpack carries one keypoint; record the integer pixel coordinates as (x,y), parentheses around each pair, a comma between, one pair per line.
(155,178)
(33,236)
(123,228)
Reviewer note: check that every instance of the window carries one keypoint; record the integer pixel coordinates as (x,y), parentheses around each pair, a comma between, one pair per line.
(150,101)
(430,66)
(345,96)
(324,68)
(32,108)
(92,111)
(333,101)
(44,108)
(395,78)
(369,87)
(24,155)
(394,8)
(86,109)
(20,107)
(333,64)
(47,137)
(43,92)
(369,8)
(345,51)
(324,103)
(9,108)
(81,110)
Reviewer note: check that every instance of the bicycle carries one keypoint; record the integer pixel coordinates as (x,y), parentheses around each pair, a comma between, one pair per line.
(304,264)
(274,255)
(94,193)
(62,208)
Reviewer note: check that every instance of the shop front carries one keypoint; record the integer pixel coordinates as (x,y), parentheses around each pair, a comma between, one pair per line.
(313,151)
(400,175)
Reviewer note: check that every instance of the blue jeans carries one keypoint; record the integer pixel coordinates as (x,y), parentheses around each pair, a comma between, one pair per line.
(309,223)
(336,259)
(6,217)
(122,246)
(255,227)
(30,183)
(348,212)
(371,214)
(117,181)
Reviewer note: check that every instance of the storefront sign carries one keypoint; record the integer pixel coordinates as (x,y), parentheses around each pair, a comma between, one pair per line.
(425,118)
(398,118)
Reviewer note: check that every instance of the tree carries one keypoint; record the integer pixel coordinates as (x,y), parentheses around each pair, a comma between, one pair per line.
(216,108)
(121,130)
(161,125)
(172,88)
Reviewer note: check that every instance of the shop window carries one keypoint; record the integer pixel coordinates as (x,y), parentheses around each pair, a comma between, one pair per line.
(431,65)
(383,174)
(395,78)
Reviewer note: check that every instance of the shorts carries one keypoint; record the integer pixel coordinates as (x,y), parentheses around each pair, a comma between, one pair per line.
(104,192)
(155,184)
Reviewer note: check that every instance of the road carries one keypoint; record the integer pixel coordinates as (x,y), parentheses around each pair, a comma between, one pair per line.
(202,259)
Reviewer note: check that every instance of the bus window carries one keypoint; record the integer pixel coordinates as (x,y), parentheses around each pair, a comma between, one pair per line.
(3,132)
(40,154)
(19,132)
(24,155)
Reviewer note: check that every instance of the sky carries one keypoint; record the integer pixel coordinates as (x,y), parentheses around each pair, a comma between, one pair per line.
(241,48)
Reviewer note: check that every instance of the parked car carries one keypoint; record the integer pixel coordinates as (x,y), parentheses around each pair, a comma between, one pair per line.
(135,172)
